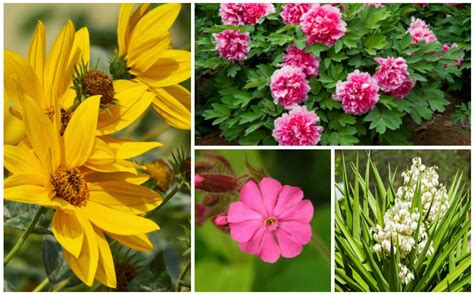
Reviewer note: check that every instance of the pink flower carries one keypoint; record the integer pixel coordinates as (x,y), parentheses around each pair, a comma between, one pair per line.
(232,45)
(391,73)
(458,61)
(358,94)
(293,12)
(403,90)
(271,220)
(323,24)
(297,128)
(239,14)
(419,31)
(289,86)
(298,58)
(221,221)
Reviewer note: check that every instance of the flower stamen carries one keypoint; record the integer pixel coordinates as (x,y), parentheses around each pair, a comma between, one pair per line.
(70,185)
(98,83)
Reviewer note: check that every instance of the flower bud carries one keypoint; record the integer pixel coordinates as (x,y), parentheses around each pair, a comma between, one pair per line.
(215,183)
(222,222)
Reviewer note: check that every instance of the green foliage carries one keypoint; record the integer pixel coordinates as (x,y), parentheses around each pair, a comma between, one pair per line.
(359,268)
(236,96)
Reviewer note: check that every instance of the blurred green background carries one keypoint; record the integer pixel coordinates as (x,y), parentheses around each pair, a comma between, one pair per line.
(221,266)
(448,162)
(26,270)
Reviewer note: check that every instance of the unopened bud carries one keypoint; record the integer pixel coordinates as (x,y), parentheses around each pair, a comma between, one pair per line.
(215,183)
(222,222)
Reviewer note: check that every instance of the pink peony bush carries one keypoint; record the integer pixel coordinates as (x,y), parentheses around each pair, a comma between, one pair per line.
(323,24)
(239,14)
(358,95)
(391,73)
(289,86)
(293,12)
(459,60)
(232,45)
(298,58)
(419,31)
(297,128)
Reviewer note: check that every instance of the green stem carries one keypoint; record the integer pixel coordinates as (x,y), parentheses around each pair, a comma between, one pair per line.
(321,247)
(182,274)
(24,236)
(63,284)
(168,197)
(43,284)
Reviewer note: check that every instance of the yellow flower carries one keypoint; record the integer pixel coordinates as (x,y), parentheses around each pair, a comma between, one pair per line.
(13,127)
(89,205)
(145,56)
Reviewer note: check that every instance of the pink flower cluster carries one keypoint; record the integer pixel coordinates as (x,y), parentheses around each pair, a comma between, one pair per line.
(392,76)
(358,94)
(239,14)
(289,86)
(271,220)
(419,31)
(293,12)
(232,45)
(300,59)
(323,24)
(458,61)
(297,128)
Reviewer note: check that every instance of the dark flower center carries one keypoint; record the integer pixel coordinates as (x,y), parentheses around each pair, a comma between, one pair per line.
(98,83)
(70,185)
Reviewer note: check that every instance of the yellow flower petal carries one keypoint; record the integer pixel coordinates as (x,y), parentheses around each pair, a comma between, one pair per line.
(123,29)
(68,231)
(37,53)
(138,242)
(181,94)
(20,79)
(81,44)
(133,100)
(57,72)
(173,67)
(79,137)
(106,269)
(117,222)
(42,135)
(171,110)
(117,166)
(18,160)
(142,58)
(125,197)
(27,188)
(102,154)
(138,179)
(85,266)
(126,149)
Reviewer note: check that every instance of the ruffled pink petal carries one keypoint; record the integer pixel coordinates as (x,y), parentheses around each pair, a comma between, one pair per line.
(253,245)
(302,212)
(239,212)
(270,188)
(250,196)
(243,231)
(299,232)
(289,197)
(288,247)
(269,252)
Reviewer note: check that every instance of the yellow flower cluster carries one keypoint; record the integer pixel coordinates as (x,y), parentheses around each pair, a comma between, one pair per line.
(61,152)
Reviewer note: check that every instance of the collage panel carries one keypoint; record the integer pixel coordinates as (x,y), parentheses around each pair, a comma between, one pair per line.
(262,221)
(302,74)
(403,221)
(97,147)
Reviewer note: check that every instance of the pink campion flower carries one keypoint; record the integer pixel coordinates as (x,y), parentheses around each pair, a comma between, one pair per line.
(239,14)
(358,95)
(271,220)
(458,61)
(289,86)
(403,90)
(391,73)
(297,128)
(232,45)
(419,31)
(298,58)
(292,12)
(323,24)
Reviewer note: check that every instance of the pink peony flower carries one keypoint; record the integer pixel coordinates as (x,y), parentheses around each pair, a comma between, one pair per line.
(458,61)
(239,14)
(323,24)
(419,31)
(232,45)
(289,86)
(358,94)
(297,128)
(391,73)
(403,90)
(271,220)
(298,58)
(293,12)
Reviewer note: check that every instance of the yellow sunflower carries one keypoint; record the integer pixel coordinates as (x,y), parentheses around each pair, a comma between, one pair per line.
(89,205)
(145,56)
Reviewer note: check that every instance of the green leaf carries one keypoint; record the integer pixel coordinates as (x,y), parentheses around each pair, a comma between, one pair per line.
(382,119)
(155,278)
(19,215)
(253,138)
